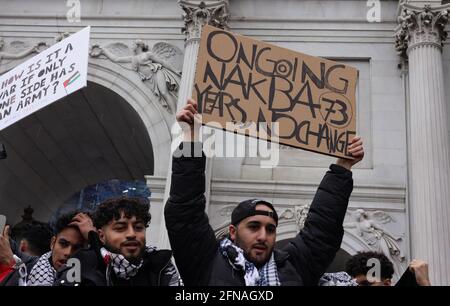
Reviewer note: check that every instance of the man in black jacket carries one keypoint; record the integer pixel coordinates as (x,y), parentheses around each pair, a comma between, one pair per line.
(248,256)
(118,254)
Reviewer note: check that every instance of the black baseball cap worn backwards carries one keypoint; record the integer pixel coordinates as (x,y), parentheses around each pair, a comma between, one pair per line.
(247,209)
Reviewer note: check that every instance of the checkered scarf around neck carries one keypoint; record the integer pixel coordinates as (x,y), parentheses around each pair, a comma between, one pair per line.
(337,279)
(42,273)
(121,266)
(267,275)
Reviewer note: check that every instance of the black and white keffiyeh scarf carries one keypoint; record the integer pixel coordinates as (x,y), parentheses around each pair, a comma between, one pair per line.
(337,279)
(120,265)
(125,270)
(42,273)
(267,275)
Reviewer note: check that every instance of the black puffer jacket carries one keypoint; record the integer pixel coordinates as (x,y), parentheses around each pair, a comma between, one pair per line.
(301,262)
(157,269)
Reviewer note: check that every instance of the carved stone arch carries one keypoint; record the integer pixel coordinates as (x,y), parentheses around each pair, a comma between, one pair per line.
(131,88)
(286,229)
(352,244)
(221,231)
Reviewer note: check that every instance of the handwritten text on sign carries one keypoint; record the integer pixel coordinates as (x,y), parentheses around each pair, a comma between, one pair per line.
(243,80)
(52,74)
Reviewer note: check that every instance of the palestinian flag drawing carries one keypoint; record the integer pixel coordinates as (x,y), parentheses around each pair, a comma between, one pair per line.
(72,79)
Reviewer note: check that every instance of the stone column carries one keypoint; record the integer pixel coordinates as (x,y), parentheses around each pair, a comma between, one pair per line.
(420,38)
(196,15)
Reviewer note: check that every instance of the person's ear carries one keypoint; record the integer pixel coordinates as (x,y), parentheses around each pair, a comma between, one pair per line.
(101,235)
(23,247)
(52,242)
(232,230)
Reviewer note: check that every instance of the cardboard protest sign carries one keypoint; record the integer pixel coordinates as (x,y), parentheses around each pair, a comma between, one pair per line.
(52,74)
(247,82)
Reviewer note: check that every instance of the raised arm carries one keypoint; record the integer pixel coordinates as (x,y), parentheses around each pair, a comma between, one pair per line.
(191,236)
(315,247)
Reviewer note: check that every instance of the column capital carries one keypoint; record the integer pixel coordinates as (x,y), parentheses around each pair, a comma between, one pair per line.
(198,13)
(419,26)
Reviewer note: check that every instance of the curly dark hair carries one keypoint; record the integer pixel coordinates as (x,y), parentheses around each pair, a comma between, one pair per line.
(63,221)
(357,264)
(112,209)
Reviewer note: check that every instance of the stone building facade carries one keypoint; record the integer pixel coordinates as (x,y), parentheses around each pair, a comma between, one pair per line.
(400,201)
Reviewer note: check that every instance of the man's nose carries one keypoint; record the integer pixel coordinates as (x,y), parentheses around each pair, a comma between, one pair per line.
(69,251)
(131,233)
(262,235)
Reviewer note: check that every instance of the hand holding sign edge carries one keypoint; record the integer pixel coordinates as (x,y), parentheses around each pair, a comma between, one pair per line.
(356,149)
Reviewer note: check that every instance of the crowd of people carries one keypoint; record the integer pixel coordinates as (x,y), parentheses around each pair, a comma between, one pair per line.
(109,244)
